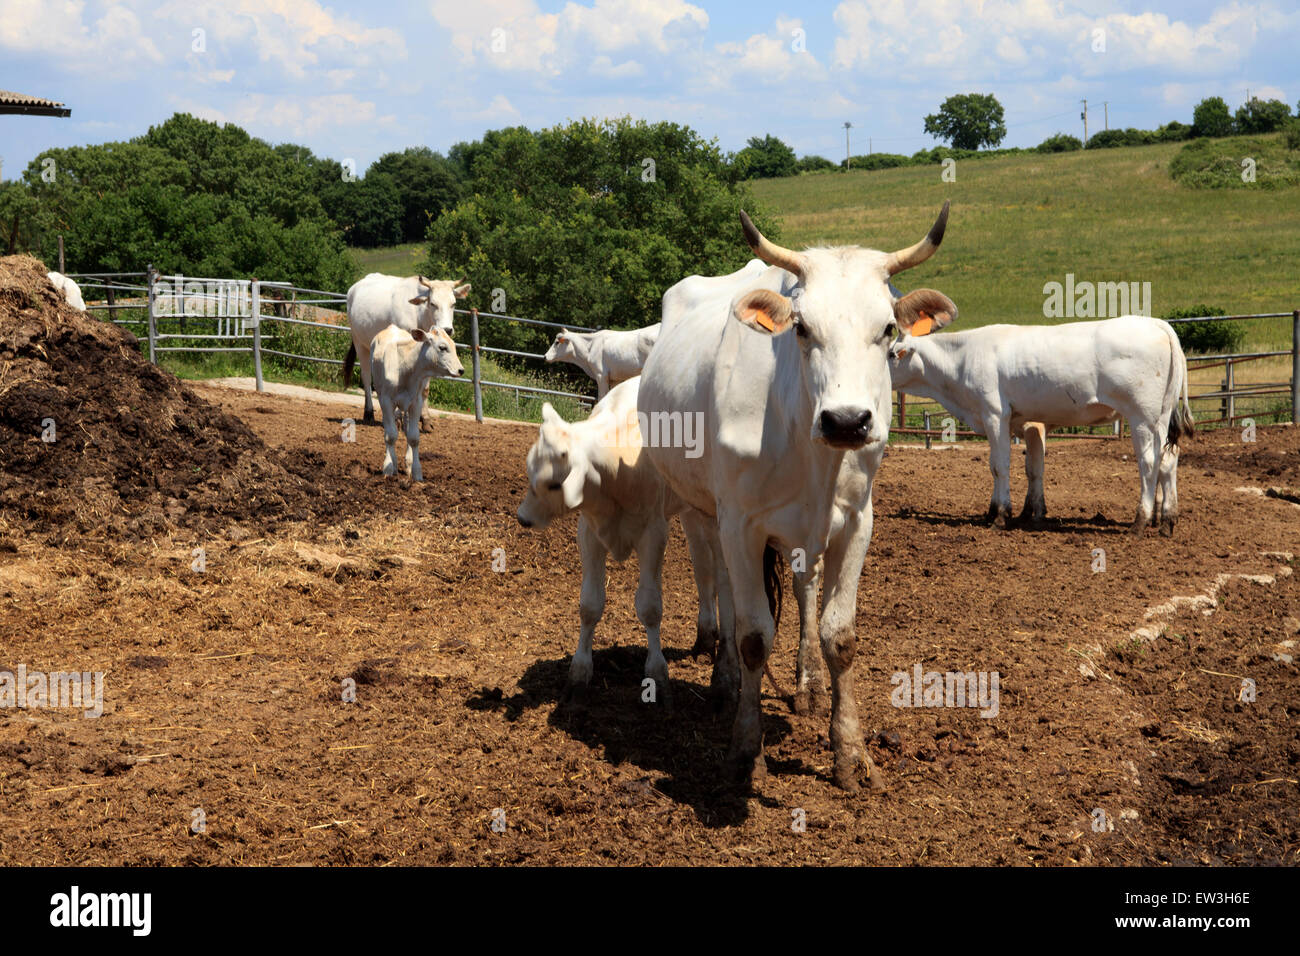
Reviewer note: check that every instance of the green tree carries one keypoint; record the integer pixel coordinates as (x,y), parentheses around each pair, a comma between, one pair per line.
(1211,118)
(427,185)
(189,196)
(588,223)
(968,121)
(1262,116)
(766,158)
(815,164)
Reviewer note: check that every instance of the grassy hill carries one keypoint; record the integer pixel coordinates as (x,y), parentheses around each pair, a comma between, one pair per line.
(1106,215)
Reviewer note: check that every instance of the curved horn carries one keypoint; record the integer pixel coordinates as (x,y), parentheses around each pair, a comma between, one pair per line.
(459,282)
(425,282)
(915,255)
(769,251)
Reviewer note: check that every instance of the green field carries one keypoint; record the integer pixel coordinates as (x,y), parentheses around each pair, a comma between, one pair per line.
(1107,215)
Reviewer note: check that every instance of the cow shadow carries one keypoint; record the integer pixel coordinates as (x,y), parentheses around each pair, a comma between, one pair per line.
(683,745)
(1097,524)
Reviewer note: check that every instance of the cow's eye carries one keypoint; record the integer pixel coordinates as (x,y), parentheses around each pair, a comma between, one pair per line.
(890,330)
(555,485)
(800,329)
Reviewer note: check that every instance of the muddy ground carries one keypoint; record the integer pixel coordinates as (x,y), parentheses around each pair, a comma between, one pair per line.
(222,700)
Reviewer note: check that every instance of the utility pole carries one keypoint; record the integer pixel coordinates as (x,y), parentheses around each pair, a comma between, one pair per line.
(1105,112)
(868,145)
(848,160)
(1084,114)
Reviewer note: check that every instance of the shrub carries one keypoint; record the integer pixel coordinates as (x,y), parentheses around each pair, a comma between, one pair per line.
(1207,337)
(880,161)
(815,164)
(1291,134)
(1060,143)
(1211,118)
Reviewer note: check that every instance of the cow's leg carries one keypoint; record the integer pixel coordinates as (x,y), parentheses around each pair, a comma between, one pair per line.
(998,430)
(602,386)
(413,443)
(743,546)
(1168,490)
(1146,448)
(1035,451)
(843,569)
(810,676)
(367,376)
(698,538)
(724,682)
(591,606)
(650,603)
(389,412)
(426,413)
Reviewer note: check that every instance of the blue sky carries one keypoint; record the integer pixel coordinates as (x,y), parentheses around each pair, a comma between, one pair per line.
(355,80)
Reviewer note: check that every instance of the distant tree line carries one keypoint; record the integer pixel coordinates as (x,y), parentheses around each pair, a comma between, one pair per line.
(971,121)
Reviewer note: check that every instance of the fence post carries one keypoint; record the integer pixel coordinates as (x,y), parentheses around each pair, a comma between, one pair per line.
(478,378)
(255,307)
(1231,402)
(61,266)
(927,429)
(153,330)
(1295,366)
(902,410)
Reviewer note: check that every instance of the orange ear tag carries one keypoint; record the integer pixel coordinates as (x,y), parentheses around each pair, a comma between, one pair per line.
(763,319)
(921,326)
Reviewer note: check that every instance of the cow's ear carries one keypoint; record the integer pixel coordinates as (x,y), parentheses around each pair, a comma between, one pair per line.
(764,311)
(549,415)
(922,311)
(420,299)
(573,485)
(462,290)
(418,335)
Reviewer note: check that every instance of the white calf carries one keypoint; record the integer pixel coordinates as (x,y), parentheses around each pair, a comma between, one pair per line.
(403,361)
(596,467)
(1000,377)
(71,291)
(608,356)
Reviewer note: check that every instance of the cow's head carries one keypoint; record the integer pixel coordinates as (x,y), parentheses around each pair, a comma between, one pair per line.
(439,301)
(844,314)
(557,472)
(919,313)
(562,348)
(437,353)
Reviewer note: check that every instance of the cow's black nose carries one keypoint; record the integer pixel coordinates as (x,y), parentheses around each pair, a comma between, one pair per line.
(523,521)
(845,422)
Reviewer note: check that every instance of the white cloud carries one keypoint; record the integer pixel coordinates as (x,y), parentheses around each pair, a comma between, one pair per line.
(107,44)
(292,116)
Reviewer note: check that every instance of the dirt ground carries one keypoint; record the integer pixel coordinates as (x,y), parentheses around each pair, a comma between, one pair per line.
(1124,735)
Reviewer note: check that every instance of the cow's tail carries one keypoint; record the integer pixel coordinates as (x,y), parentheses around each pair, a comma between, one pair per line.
(774,586)
(773,571)
(1181,423)
(348,362)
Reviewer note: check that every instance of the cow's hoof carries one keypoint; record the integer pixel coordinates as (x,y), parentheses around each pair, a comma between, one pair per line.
(576,696)
(845,776)
(801,703)
(1167,527)
(706,642)
(1137,527)
(1000,521)
(747,771)
(368,418)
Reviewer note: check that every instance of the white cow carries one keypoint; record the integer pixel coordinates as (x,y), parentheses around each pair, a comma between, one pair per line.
(71,291)
(598,468)
(404,360)
(1000,377)
(787,377)
(379,300)
(608,356)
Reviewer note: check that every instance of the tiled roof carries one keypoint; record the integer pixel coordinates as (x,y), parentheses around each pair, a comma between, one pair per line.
(33,105)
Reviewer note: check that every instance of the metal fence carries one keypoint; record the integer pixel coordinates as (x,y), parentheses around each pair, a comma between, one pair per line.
(1225,397)
(176,306)
(191,313)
